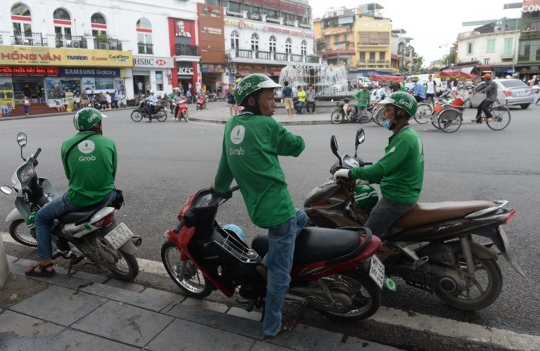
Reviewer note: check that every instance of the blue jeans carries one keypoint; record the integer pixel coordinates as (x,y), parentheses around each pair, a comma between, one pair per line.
(298,105)
(45,217)
(279,260)
(310,103)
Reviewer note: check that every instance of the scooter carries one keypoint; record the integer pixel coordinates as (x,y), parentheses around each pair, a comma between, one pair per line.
(340,115)
(143,111)
(91,233)
(182,110)
(339,277)
(201,102)
(432,246)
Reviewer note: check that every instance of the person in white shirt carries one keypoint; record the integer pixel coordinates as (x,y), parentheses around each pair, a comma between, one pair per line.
(152,101)
(431,90)
(109,100)
(381,93)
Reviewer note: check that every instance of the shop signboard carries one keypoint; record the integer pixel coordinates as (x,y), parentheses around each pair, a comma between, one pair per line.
(266,28)
(531,6)
(251,68)
(44,56)
(211,33)
(90,72)
(29,71)
(153,62)
(7,99)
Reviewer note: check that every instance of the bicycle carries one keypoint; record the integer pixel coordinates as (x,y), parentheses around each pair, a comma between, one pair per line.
(450,119)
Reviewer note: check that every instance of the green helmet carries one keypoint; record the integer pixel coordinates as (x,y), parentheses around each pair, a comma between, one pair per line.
(403,100)
(365,197)
(86,118)
(252,83)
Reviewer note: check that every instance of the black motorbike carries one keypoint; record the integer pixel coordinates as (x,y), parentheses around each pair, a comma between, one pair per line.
(432,246)
(143,111)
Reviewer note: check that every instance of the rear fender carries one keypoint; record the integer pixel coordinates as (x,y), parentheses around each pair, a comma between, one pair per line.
(478,250)
(13,216)
(129,248)
(499,238)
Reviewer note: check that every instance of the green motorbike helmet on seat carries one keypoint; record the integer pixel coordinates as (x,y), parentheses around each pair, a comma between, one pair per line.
(403,100)
(252,83)
(365,197)
(86,118)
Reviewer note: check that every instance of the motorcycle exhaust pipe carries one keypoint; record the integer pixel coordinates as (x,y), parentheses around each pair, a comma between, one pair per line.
(136,240)
(294,298)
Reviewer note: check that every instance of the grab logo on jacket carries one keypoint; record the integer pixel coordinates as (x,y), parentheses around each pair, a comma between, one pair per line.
(237,134)
(86,147)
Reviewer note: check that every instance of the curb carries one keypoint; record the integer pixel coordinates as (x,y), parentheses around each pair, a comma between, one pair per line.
(52,114)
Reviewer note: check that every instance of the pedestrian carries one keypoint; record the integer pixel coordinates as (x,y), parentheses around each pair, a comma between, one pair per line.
(417,90)
(115,98)
(400,172)
(310,100)
(287,95)
(301,101)
(102,99)
(252,144)
(109,100)
(148,89)
(26,105)
(84,99)
(140,87)
(431,90)
(231,101)
(363,99)
(152,102)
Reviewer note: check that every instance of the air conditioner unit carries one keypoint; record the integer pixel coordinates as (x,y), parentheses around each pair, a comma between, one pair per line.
(233,70)
(76,44)
(498,29)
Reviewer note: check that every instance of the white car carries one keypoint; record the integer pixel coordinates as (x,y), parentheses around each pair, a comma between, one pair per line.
(536,89)
(512,92)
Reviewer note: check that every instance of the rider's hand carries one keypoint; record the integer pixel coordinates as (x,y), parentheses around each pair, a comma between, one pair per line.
(342,173)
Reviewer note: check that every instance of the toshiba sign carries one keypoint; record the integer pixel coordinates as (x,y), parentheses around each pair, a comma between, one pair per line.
(153,62)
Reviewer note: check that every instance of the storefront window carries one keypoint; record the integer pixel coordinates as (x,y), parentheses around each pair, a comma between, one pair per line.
(104,84)
(159,80)
(58,87)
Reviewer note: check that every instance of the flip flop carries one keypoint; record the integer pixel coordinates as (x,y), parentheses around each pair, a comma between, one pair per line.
(43,272)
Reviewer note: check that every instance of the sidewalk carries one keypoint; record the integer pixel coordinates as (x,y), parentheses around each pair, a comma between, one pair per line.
(91,312)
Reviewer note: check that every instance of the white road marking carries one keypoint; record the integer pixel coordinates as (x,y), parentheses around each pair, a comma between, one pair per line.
(419,322)
(147,266)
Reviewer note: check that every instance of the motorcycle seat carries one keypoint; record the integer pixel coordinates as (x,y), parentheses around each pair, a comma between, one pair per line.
(72,217)
(431,212)
(315,244)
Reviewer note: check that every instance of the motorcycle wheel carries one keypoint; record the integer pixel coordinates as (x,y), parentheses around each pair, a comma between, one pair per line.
(378,116)
(358,289)
(194,284)
(186,116)
(136,116)
(16,232)
(336,117)
(492,278)
(127,268)
(161,116)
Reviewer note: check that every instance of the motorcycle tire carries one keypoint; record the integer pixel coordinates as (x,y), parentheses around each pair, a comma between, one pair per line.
(186,117)
(368,286)
(136,116)
(161,116)
(14,228)
(488,297)
(207,287)
(132,265)
(336,117)
(378,116)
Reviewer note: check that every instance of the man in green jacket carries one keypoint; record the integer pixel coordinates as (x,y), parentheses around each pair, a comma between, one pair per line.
(400,172)
(90,168)
(363,97)
(252,143)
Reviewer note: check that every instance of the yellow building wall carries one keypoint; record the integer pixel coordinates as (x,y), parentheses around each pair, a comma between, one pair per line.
(367,24)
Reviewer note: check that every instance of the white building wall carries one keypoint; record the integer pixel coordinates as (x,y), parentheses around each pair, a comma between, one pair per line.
(480,45)
(121,17)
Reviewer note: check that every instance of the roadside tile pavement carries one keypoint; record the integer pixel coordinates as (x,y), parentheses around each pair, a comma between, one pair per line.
(86,312)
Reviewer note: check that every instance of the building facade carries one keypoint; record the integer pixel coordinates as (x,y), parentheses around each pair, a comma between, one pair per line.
(359,38)
(492,47)
(263,36)
(528,61)
(56,49)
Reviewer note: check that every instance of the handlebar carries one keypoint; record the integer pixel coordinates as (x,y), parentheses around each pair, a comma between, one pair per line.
(37,153)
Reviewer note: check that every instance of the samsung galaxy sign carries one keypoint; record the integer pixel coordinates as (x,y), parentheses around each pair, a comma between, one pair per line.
(531,6)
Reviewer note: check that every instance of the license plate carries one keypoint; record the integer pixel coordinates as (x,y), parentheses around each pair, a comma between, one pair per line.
(119,236)
(376,271)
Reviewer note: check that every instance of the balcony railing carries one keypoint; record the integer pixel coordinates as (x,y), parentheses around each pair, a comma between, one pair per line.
(70,41)
(529,58)
(296,58)
(186,50)
(107,44)
(312,59)
(244,53)
(31,39)
(383,61)
(263,55)
(145,49)
(281,57)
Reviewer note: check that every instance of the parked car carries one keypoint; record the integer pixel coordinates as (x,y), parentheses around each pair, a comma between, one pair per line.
(536,88)
(423,78)
(512,92)
(363,82)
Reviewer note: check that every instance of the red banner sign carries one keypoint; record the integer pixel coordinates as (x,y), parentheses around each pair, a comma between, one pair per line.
(42,71)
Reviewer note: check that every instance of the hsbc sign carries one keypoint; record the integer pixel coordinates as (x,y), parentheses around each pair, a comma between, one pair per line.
(153,62)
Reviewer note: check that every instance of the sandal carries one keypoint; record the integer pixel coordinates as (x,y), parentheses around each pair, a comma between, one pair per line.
(43,272)
(287,324)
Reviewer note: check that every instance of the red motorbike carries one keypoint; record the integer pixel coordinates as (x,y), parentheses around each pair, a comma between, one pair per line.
(334,271)
(201,102)
(182,110)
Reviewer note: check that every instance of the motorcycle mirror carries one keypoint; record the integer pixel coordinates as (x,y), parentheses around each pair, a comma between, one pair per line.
(334,147)
(6,189)
(360,137)
(22,139)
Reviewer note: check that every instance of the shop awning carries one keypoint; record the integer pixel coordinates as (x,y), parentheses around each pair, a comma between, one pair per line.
(455,75)
(243,73)
(383,78)
(276,73)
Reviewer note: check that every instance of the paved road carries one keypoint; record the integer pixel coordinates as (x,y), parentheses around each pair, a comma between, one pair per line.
(161,164)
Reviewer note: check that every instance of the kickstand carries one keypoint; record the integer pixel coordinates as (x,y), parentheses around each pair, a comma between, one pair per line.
(73,261)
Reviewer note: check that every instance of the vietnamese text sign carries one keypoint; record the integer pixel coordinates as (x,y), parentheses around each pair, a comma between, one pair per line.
(211,33)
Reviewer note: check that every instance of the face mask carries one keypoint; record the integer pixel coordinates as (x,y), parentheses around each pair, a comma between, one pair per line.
(387,123)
